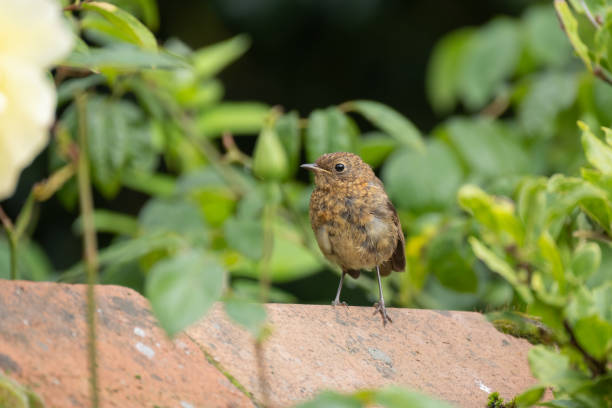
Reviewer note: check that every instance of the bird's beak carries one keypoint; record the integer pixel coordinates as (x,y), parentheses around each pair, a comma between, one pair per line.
(311,166)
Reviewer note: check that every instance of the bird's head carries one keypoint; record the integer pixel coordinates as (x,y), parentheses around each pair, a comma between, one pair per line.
(335,169)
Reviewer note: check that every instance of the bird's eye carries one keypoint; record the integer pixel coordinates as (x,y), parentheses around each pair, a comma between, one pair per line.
(339,167)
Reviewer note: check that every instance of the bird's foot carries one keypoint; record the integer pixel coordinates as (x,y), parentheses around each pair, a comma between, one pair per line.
(337,302)
(380,308)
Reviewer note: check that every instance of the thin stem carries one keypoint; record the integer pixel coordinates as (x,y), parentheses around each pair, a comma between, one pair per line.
(589,15)
(203,144)
(595,366)
(268,246)
(601,74)
(10,233)
(25,216)
(497,107)
(89,244)
(599,236)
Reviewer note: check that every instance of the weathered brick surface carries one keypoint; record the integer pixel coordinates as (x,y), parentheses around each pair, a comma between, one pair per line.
(43,345)
(457,356)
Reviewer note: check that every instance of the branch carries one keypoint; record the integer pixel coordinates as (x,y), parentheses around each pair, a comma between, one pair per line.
(89,244)
(10,232)
(597,367)
(592,19)
(601,74)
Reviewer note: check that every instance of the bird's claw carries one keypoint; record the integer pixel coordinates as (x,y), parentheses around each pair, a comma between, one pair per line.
(380,308)
(336,302)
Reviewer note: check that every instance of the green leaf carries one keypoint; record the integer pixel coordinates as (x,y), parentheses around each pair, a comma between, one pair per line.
(155,184)
(586,260)
(494,213)
(395,397)
(602,301)
(442,80)
(245,235)
(550,253)
(290,258)
(177,216)
(118,137)
(209,61)
(111,222)
(595,335)
(328,131)
(32,262)
(598,153)
(546,42)
(452,262)
(570,25)
(12,394)
(182,288)
(549,95)
(571,192)
(122,57)
(553,369)
(498,265)
(550,314)
(531,207)
(486,147)
(133,30)
(389,121)
(530,397)
(248,314)
(423,181)
(497,41)
(375,147)
(288,131)
(209,190)
(125,251)
(330,399)
(233,117)
(68,89)
(147,9)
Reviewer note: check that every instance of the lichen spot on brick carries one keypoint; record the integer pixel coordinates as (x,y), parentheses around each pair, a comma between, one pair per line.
(146,350)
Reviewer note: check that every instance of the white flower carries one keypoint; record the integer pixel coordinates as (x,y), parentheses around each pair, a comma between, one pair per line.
(33,36)
(34,31)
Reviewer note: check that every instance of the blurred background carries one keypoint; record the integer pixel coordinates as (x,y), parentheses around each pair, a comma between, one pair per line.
(307,55)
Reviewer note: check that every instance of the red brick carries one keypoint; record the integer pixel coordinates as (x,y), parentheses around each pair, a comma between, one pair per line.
(43,346)
(457,356)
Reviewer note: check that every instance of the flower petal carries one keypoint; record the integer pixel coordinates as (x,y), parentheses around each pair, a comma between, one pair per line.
(28,110)
(34,30)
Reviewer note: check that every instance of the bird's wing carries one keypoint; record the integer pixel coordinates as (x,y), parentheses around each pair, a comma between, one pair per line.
(398,259)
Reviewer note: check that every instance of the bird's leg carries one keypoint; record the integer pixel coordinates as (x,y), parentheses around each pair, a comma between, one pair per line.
(336,301)
(380,305)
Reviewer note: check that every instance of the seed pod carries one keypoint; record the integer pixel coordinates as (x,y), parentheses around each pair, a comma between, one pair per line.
(269,158)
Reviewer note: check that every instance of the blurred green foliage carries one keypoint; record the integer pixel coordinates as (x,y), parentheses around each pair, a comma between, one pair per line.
(486,226)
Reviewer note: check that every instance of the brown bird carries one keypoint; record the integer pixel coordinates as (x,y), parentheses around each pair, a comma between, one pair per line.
(354,222)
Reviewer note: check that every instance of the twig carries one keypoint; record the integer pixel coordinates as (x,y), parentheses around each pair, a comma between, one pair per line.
(75,6)
(202,143)
(592,235)
(89,244)
(497,107)
(597,367)
(6,221)
(10,232)
(234,154)
(589,15)
(601,74)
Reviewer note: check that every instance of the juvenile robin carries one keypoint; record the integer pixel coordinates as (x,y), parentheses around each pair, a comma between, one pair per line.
(354,222)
